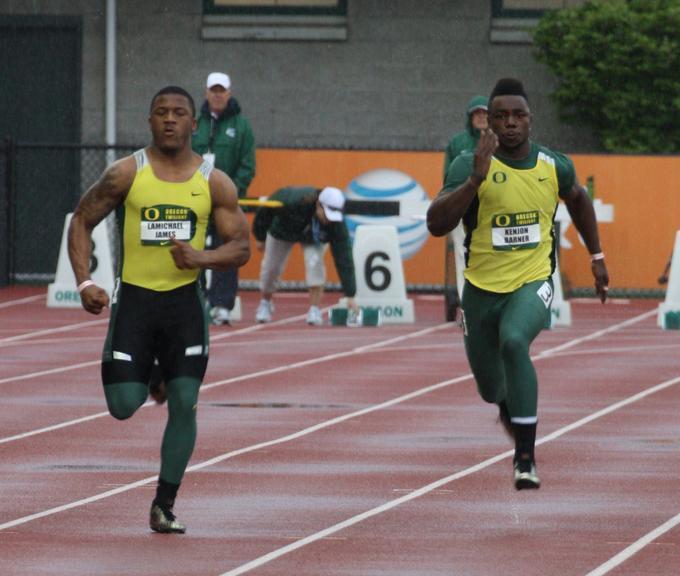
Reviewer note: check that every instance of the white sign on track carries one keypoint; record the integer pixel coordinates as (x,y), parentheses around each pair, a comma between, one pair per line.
(380,273)
(669,309)
(63,293)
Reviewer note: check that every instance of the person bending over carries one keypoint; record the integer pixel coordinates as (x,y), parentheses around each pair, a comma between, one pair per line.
(314,218)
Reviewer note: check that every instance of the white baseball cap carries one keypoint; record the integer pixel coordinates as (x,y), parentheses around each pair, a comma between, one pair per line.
(333,201)
(218,79)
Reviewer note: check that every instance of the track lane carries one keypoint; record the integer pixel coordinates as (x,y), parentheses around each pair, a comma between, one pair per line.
(332,422)
(242,525)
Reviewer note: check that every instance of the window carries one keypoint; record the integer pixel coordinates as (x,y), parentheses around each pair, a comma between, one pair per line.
(275,6)
(512,20)
(275,20)
(529,8)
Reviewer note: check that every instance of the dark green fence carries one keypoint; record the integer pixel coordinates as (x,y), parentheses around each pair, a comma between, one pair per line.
(39,185)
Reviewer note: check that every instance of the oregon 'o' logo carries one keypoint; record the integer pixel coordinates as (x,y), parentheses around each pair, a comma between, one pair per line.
(502,220)
(499,177)
(395,186)
(151,214)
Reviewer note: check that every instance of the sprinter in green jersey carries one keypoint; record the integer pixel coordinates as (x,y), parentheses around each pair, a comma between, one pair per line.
(506,194)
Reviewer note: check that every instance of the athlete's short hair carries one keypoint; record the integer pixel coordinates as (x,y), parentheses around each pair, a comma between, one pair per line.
(508,87)
(174,90)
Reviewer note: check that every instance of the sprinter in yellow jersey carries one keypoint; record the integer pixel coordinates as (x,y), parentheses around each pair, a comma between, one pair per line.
(506,193)
(163,196)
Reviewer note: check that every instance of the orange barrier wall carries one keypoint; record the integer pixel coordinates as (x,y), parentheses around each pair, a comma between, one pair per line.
(644,192)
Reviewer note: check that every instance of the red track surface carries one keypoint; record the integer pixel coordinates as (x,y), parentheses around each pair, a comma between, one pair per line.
(344,452)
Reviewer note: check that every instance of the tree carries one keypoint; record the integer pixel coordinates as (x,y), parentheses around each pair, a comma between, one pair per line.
(617,63)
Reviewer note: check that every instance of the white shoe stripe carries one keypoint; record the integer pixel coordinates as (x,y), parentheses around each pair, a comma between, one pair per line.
(524,420)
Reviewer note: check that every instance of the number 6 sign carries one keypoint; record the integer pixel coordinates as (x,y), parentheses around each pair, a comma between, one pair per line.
(380,273)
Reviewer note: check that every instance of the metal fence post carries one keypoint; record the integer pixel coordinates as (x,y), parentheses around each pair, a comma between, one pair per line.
(10,206)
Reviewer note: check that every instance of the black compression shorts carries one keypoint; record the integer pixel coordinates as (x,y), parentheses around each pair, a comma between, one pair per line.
(145,324)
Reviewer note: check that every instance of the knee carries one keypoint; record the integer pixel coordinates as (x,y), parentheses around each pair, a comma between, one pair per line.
(123,400)
(121,409)
(490,379)
(514,347)
(181,405)
(182,397)
(488,395)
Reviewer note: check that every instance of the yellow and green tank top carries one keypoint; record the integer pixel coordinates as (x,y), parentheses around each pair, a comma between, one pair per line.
(510,239)
(153,212)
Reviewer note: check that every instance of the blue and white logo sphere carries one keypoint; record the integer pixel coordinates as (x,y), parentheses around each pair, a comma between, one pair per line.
(392,185)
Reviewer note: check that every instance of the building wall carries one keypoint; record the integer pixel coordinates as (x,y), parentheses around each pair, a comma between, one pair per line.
(400,80)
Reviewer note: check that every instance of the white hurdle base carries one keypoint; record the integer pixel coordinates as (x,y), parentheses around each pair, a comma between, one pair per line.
(560,309)
(380,273)
(235,314)
(668,317)
(392,311)
(63,292)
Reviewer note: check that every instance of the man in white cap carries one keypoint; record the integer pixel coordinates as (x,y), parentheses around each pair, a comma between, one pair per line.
(225,138)
(313,217)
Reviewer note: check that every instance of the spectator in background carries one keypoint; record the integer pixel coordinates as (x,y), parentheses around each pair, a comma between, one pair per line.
(507,194)
(465,141)
(225,138)
(461,143)
(313,217)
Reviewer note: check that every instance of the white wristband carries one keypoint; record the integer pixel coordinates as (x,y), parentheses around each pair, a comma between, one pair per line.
(84,285)
(598,256)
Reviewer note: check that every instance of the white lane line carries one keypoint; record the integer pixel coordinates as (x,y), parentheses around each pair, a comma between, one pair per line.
(19,301)
(274,554)
(57,330)
(612,408)
(54,427)
(618,350)
(94,362)
(598,333)
(204,387)
(83,502)
(309,362)
(254,447)
(49,372)
(256,327)
(319,359)
(69,327)
(635,547)
(234,453)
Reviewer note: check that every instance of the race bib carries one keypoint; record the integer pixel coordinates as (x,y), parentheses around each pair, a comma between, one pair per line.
(158,224)
(519,231)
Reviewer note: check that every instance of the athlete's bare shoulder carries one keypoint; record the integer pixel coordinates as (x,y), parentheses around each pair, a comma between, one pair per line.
(118,177)
(107,192)
(222,189)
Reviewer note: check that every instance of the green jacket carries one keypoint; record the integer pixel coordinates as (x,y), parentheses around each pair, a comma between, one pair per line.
(231,139)
(465,141)
(294,222)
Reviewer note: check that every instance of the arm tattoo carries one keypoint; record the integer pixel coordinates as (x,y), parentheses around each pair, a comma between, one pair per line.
(102,197)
